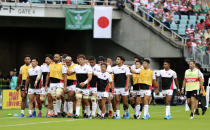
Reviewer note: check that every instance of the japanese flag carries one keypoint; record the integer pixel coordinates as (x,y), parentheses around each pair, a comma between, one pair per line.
(102,22)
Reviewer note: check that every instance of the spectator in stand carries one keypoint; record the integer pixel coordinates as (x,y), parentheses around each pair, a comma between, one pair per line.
(197,8)
(198,34)
(167,5)
(205,8)
(143,2)
(168,18)
(191,45)
(201,45)
(159,11)
(207,22)
(190,10)
(201,25)
(183,8)
(190,31)
(175,7)
(136,4)
(150,9)
(13,81)
(207,33)
(208,48)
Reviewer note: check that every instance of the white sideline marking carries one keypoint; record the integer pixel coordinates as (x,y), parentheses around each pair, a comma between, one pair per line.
(35,123)
(9,118)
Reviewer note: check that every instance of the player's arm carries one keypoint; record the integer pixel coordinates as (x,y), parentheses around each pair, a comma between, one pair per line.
(87,81)
(70,72)
(19,82)
(47,80)
(38,78)
(177,83)
(155,83)
(27,83)
(183,86)
(65,81)
(128,82)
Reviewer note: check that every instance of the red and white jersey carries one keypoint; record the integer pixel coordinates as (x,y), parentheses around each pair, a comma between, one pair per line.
(150,7)
(167,5)
(193,2)
(158,11)
(143,2)
(136,1)
(190,31)
(175,7)
(167,16)
(183,8)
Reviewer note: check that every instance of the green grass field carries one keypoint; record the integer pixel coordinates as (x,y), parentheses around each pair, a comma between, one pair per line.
(180,121)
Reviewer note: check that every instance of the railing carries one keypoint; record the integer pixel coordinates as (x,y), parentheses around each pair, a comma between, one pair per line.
(65,2)
(201,57)
(162,26)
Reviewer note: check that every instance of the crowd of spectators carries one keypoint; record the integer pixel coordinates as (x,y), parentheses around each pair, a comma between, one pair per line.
(189,18)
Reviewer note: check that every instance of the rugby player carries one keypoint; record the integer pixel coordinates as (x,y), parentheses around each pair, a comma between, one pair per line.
(121,86)
(23,74)
(33,81)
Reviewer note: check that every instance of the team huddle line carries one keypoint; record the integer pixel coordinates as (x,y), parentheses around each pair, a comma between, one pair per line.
(99,88)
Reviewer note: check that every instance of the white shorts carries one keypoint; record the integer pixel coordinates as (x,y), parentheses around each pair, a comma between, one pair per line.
(93,90)
(43,92)
(145,92)
(121,91)
(101,95)
(135,93)
(83,91)
(71,88)
(111,95)
(54,87)
(34,91)
(167,92)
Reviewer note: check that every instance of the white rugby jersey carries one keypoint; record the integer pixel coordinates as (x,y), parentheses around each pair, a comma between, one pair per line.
(120,73)
(45,70)
(33,73)
(82,73)
(96,68)
(167,78)
(103,80)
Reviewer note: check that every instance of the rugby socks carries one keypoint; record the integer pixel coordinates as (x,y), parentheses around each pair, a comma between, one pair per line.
(146,107)
(70,107)
(94,106)
(141,107)
(168,112)
(22,111)
(126,111)
(117,112)
(137,110)
(87,108)
(99,110)
(55,108)
(30,112)
(65,107)
(58,102)
(109,107)
(77,110)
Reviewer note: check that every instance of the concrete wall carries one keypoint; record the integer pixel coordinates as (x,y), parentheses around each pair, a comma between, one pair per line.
(137,38)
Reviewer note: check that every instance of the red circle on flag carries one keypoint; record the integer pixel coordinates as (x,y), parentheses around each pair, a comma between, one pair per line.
(103,22)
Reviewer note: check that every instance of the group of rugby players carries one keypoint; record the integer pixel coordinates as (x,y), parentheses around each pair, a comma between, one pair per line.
(94,84)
